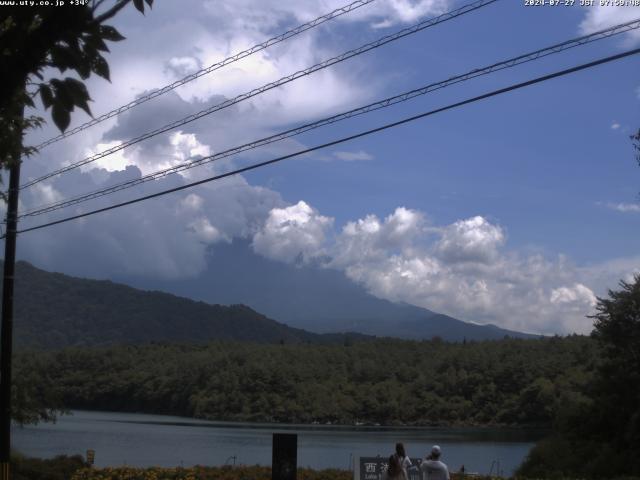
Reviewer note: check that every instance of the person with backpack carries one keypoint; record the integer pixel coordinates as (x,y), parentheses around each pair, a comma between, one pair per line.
(399,462)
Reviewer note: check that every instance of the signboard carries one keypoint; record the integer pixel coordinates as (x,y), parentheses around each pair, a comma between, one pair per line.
(374,468)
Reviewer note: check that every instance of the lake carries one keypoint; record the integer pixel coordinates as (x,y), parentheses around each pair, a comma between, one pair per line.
(146,440)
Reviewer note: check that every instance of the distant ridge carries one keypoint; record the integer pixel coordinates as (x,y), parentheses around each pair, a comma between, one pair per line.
(316,299)
(53,310)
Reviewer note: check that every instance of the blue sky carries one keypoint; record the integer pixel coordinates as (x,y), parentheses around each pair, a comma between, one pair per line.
(517,210)
(545,161)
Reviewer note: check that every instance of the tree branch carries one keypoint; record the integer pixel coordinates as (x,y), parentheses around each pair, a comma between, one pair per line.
(111,12)
(96,5)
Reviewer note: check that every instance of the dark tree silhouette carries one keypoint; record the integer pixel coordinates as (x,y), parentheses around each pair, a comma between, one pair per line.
(33,39)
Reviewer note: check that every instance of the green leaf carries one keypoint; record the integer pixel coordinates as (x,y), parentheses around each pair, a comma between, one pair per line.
(100,67)
(46,96)
(62,57)
(61,116)
(109,33)
(62,96)
(96,42)
(139,4)
(84,68)
(89,58)
(78,93)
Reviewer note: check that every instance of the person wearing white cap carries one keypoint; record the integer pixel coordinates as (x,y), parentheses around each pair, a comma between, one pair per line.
(432,468)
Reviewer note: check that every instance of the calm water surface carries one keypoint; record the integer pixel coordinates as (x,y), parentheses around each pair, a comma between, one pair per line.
(145,440)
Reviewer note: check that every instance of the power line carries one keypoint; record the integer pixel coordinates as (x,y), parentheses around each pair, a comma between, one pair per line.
(510,88)
(387,102)
(211,68)
(282,81)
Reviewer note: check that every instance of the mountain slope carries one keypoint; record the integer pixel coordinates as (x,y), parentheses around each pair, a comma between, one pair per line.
(313,298)
(53,310)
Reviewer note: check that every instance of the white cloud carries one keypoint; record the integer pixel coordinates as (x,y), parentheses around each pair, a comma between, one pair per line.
(293,234)
(599,17)
(169,236)
(204,231)
(183,66)
(113,162)
(470,279)
(615,126)
(474,240)
(460,269)
(45,193)
(268,14)
(187,146)
(576,294)
(369,238)
(202,33)
(624,207)
(166,237)
(353,156)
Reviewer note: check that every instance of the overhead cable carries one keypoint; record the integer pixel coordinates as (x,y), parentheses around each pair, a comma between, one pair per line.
(387,102)
(452,106)
(282,81)
(211,68)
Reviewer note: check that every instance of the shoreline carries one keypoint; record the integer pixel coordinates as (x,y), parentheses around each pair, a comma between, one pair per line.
(179,420)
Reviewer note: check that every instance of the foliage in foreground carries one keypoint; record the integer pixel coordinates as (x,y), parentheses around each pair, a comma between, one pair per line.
(216,473)
(202,473)
(59,468)
(600,438)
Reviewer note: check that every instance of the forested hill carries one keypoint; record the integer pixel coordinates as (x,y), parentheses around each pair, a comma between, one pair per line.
(516,382)
(53,310)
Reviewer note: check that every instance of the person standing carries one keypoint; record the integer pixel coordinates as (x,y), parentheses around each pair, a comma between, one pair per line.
(394,469)
(399,462)
(405,461)
(432,468)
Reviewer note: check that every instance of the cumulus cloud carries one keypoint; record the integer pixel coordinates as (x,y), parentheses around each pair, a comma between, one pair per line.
(578,295)
(371,238)
(471,240)
(155,55)
(615,126)
(167,237)
(183,66)
(203,33)
(461,269)
(293,234)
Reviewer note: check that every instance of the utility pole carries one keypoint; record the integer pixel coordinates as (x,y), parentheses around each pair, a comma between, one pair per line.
(6,330)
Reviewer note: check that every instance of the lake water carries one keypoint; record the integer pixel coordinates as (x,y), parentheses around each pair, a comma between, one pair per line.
(146,440)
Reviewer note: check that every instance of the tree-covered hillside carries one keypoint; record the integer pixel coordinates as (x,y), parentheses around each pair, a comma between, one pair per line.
(53,310)
(519,382)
